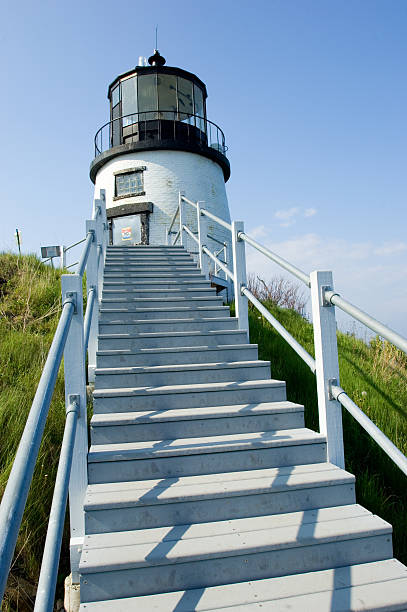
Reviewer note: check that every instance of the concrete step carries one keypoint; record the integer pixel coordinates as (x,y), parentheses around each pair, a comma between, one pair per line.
(203,455)
(188,396)
(125,506)
(172,312)
(140,285)
(176,355)
(210,421)
(364,587)
(131,303)
(134,292)
(173,328)
(148,561)
(186,374)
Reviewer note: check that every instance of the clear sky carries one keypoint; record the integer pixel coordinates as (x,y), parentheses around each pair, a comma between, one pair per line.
(311,94)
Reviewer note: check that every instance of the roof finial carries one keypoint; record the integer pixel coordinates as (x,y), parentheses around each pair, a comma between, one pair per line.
(156,59)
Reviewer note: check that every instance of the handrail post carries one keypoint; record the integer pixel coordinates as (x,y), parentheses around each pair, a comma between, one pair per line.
(75,384)
(181,207)
(239,270)
(202,237)
(105,233)
(167,235)
(327,366)
(92,282)
(63,257)
(99,242)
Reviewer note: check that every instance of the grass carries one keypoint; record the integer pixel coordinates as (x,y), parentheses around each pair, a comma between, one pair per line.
(375,377)
(30,305)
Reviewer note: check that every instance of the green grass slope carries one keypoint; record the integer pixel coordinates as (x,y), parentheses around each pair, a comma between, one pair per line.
(375,377)
(30,305)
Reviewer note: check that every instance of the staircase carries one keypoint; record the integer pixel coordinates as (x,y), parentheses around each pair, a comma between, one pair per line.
(206,490)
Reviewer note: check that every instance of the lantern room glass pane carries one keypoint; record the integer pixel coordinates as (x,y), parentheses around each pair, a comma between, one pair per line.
(116,132)
(199,107)
(147,95)
(185,99)
(129,100)
(167,95)
(116,95)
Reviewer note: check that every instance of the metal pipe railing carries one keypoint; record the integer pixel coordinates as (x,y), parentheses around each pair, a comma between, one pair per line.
(216,240)
(72,265)
(84,257)
(363,317)
(88,316)
(177,235)
(173,219)
(191,234)
(378,436)
(310,361)
(44,601)
(302,276)
(219,263)
(16,492)
(184,199)
(71,246)
(217,219)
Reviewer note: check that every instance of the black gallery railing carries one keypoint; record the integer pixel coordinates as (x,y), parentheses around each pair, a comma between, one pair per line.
(159,127)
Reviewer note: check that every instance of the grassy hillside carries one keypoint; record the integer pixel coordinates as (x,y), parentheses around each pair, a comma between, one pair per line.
(30,306)
(375,377)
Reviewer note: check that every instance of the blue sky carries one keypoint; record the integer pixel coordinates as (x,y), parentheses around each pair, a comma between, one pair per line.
(311,95)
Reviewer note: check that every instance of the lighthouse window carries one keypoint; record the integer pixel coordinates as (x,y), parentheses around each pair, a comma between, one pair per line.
(147,95)
(129,183)
(167,95)
(199,106)
(185,99)
(116,95)
(129,100)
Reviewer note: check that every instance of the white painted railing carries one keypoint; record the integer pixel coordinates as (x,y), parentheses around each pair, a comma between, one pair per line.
(75,335)
(323,299)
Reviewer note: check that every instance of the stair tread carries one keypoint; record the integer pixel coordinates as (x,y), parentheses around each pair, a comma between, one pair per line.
(183,367)
(142,300)
(210,412)
(191,488)
(220,539)
(194,387)
(363,587)
(167,309)
(173,333)
(126,451)
(176,349)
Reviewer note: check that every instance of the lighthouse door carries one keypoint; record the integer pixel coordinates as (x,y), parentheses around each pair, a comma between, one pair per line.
(126,231)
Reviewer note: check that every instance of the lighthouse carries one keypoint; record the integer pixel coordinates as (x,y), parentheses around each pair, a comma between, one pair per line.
(157,144)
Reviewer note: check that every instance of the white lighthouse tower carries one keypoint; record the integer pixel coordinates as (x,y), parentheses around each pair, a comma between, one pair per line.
(158,143)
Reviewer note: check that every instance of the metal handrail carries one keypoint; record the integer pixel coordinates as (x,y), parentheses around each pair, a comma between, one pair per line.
(218,241)
(177,235)
(219,263)
(44,601)
(188,231)
(71,246)
(382,440)
(358,314)
(16,492)
(204,127)
(84,257)
(184,199)
(215,218)
(302,276)
(173,220)
(300,350)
